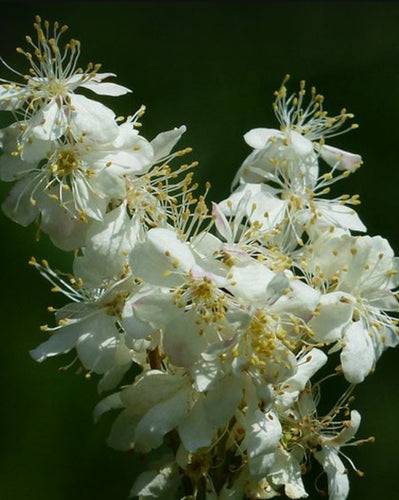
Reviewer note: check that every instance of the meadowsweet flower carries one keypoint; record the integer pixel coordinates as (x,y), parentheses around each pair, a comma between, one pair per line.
(301,138)
(47,101)
(361,274)
(281,178)
(90,325)
(74,178)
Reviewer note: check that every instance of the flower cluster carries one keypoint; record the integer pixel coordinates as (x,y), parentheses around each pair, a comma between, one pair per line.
(214,330)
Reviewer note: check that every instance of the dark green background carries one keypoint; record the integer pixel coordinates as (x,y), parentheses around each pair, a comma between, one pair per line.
(213,67)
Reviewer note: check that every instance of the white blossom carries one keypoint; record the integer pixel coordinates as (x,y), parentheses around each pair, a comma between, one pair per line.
(234,319)
(48,93)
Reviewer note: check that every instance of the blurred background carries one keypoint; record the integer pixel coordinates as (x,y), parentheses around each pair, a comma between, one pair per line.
(212,66)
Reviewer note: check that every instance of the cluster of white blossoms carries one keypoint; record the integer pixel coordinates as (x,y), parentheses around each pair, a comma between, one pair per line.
(213,330)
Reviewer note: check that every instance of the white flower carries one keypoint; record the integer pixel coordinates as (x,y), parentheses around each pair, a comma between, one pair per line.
(306,433)
(158,403)
(77,179)
(328,456)
(286,211)
(362,273)
(287,161)
(51,106)
(239,237)
(89,324)
(163,259)
(301,125)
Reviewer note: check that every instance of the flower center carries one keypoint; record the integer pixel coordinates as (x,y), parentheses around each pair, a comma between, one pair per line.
(205,296)
(56,88)
(65,162)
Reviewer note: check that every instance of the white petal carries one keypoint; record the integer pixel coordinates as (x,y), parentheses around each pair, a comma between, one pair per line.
(246,171)
(164,142)
(122,435)
(333,314)
(49,123)
(183,342)
(301,300)
(113,376)
(17,206)
(263,432)
(12,98)
(129,153)
(107,248)
(308,365)
(97,343)
(384,300)
(286,471)
(151,388)
(357,356)
(106,88)
(161,257)
(340,159)
(374,260)
(135,161)
(99,77)
(299,143)
(280,366)
(337,476)
(269,210)
(348,432)
(205,373)
(250,281)
(206,244)
(35,150)
(148,310)
(65,233)
(261,205)
(222,400)
(257,138)
(93,119)
(60,342)
(211,413)
(276,287)
(340,215)
(108,184)
(161,483)
(221,223)
(196,431)
(14,168)
(111,402)
(160,420)
(88,200)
